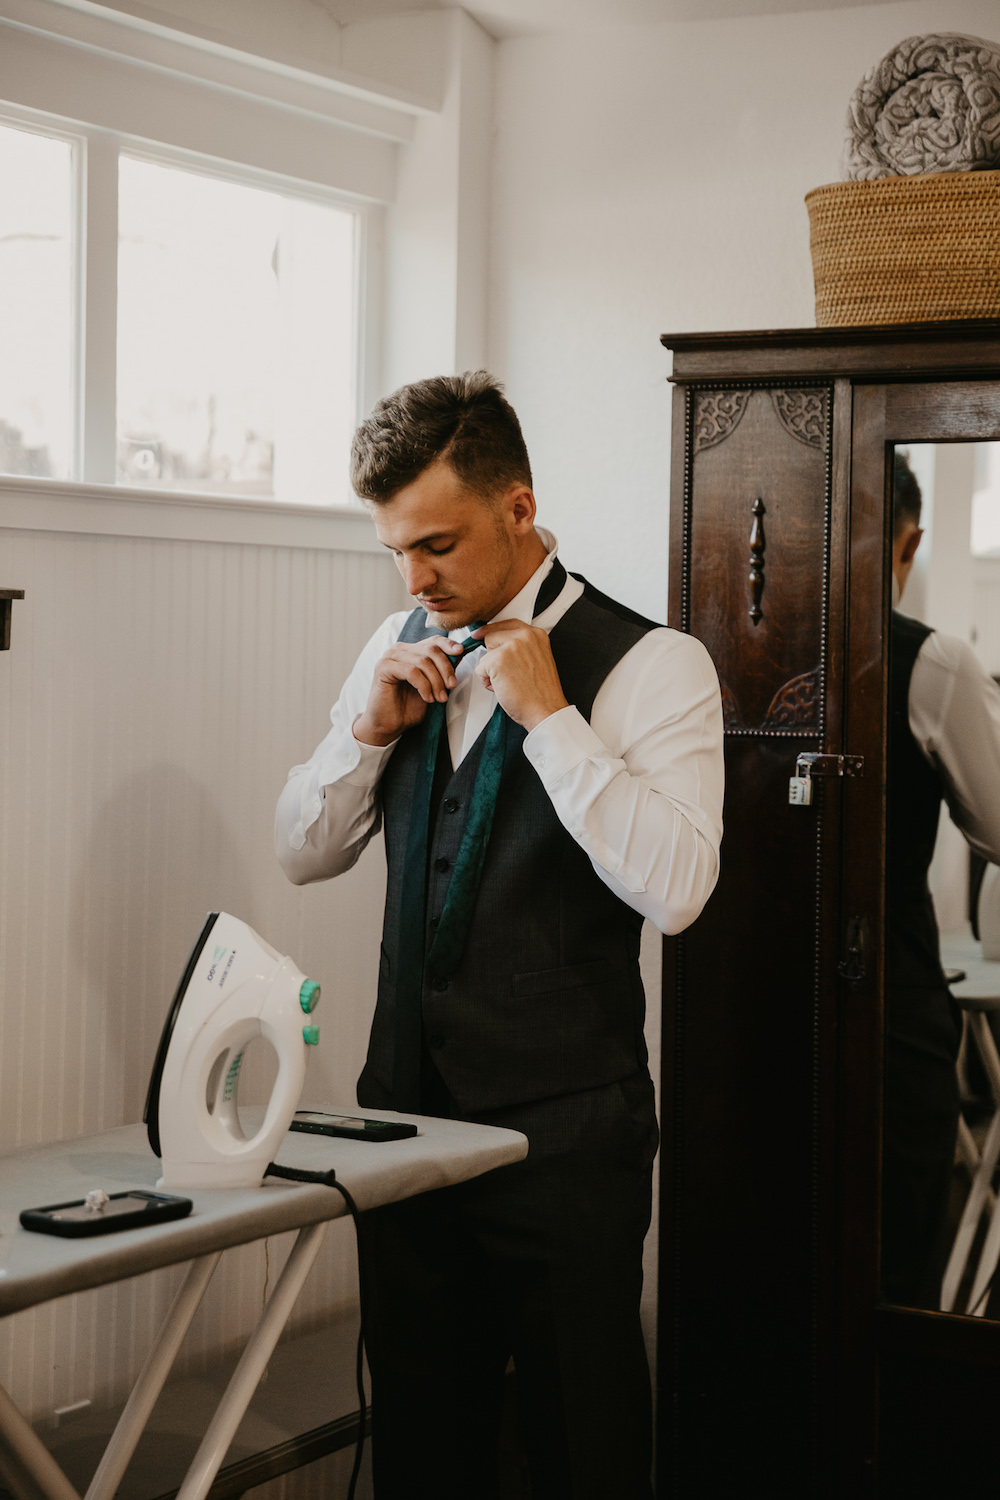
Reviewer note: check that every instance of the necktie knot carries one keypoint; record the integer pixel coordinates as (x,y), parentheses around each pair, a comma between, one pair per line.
(466,644)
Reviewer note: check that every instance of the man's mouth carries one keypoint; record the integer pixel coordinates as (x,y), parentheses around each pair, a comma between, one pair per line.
(435,604)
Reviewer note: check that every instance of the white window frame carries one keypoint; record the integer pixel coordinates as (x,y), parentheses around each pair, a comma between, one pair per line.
(95,273)
(207,109)
(73,136)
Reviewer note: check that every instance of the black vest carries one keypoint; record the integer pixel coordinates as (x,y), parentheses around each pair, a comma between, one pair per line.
(547,999)
(913,807)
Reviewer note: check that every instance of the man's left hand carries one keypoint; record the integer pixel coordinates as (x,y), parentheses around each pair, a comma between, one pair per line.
(520,669)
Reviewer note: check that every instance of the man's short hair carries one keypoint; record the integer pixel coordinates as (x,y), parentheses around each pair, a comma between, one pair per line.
(461,420)
(906,497)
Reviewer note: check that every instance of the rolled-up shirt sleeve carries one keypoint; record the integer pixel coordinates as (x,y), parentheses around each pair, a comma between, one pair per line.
(328,809)
(640,788)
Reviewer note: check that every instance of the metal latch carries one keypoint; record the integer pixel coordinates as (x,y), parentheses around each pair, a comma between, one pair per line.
(810,764)
(854,965)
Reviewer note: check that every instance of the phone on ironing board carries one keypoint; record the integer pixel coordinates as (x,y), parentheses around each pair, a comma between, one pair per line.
(350,1127)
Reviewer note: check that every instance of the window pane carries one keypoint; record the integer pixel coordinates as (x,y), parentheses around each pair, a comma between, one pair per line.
(235,337)
(36,304)
(986,501)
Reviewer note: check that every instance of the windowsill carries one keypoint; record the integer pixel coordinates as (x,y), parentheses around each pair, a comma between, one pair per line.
(28,504)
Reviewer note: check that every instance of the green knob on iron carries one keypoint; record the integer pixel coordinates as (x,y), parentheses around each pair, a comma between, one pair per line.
(309,995)
(310,1034)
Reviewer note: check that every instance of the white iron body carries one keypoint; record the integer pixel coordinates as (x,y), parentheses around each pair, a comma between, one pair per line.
(240,989)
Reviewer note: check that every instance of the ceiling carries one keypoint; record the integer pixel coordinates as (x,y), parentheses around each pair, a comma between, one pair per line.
(505,18)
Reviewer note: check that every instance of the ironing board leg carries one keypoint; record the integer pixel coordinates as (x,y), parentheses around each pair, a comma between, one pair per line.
(132,1422)
(968,1152)
(974,1206)
(966,1148)
(987,1265)
(26,1463)
(991,1249)
(246,1377)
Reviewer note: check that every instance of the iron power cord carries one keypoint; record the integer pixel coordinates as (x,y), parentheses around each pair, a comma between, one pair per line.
(329,1179)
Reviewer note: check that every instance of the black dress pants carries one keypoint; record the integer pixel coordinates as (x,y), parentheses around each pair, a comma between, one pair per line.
(923,1030)
(542,1261)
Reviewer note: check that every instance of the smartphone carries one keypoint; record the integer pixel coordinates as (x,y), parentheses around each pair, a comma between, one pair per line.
(350,1127)
(129,1210)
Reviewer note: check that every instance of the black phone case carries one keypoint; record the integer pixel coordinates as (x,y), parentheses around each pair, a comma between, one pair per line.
(160,1207)
(375,1130)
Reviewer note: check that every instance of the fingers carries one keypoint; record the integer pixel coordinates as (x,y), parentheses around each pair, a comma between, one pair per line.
(424,667)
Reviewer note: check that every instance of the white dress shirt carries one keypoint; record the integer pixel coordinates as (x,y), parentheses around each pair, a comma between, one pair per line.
(954,713)
(639,788)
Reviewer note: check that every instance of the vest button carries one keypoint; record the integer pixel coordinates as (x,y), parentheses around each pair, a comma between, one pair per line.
(439,985)
(451,804)
(442,864)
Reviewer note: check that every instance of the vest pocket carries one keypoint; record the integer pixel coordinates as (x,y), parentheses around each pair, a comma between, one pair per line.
(570,977)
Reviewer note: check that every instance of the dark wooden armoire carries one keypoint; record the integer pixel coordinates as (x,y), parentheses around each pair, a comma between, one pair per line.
(779,1371)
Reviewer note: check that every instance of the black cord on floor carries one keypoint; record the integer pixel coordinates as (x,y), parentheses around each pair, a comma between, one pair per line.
(329,1179)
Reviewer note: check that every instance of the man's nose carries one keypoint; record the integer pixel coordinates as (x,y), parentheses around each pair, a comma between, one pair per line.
(418,575)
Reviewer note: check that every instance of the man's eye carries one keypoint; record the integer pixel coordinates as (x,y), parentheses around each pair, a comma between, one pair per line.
(440,551)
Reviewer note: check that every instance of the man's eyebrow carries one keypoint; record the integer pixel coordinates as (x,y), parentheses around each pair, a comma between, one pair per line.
(421,541)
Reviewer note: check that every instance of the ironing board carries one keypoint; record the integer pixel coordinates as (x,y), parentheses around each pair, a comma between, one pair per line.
(978,993)
(35,1267)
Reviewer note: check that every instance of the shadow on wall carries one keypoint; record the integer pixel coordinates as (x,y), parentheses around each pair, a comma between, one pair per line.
(159,855)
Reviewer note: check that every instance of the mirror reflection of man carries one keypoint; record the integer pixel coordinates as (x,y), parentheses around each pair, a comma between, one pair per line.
(545,781)
(944,744)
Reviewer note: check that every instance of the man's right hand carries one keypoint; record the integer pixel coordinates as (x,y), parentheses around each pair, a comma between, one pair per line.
(408,678)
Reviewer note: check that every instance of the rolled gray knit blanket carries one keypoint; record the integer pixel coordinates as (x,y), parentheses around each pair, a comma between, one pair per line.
(931,105)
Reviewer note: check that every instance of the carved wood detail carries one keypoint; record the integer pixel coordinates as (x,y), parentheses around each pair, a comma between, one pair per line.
(716,415)
(805,414)
(731,718)
(757,545)
(796,704)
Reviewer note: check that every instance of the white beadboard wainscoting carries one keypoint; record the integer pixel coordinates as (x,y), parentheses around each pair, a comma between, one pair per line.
(157,690)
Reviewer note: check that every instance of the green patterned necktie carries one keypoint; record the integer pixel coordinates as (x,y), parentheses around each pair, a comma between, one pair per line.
(444,955)
(442,958)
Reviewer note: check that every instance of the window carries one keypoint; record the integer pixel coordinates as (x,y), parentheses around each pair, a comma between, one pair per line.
(986,501)
(236,338)
(37,255)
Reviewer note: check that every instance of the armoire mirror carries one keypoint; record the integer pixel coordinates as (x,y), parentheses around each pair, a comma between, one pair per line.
(940,1222)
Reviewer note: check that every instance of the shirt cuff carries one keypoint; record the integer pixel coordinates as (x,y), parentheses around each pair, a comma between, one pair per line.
(350,763)
(369,765)
(561,742)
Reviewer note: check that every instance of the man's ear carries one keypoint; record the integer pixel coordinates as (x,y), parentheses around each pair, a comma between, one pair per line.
(911,544)
(519,502)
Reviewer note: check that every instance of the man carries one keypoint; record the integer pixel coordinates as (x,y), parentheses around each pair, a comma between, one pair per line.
(944,743)
(548,767)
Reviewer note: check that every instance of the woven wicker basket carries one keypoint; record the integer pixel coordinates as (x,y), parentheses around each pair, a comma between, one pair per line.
(906,249)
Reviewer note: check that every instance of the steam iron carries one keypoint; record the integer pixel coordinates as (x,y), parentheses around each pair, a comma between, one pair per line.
(235,988)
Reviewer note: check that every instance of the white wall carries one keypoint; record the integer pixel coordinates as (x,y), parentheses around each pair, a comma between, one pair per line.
(650,179)
(436,260)
(154,696)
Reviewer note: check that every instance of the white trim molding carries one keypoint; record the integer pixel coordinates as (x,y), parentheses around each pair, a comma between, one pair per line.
(332,94)
(114,510)
(169,93)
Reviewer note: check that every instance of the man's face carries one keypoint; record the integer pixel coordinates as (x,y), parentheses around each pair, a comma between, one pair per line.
(904,550)
(455,551)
